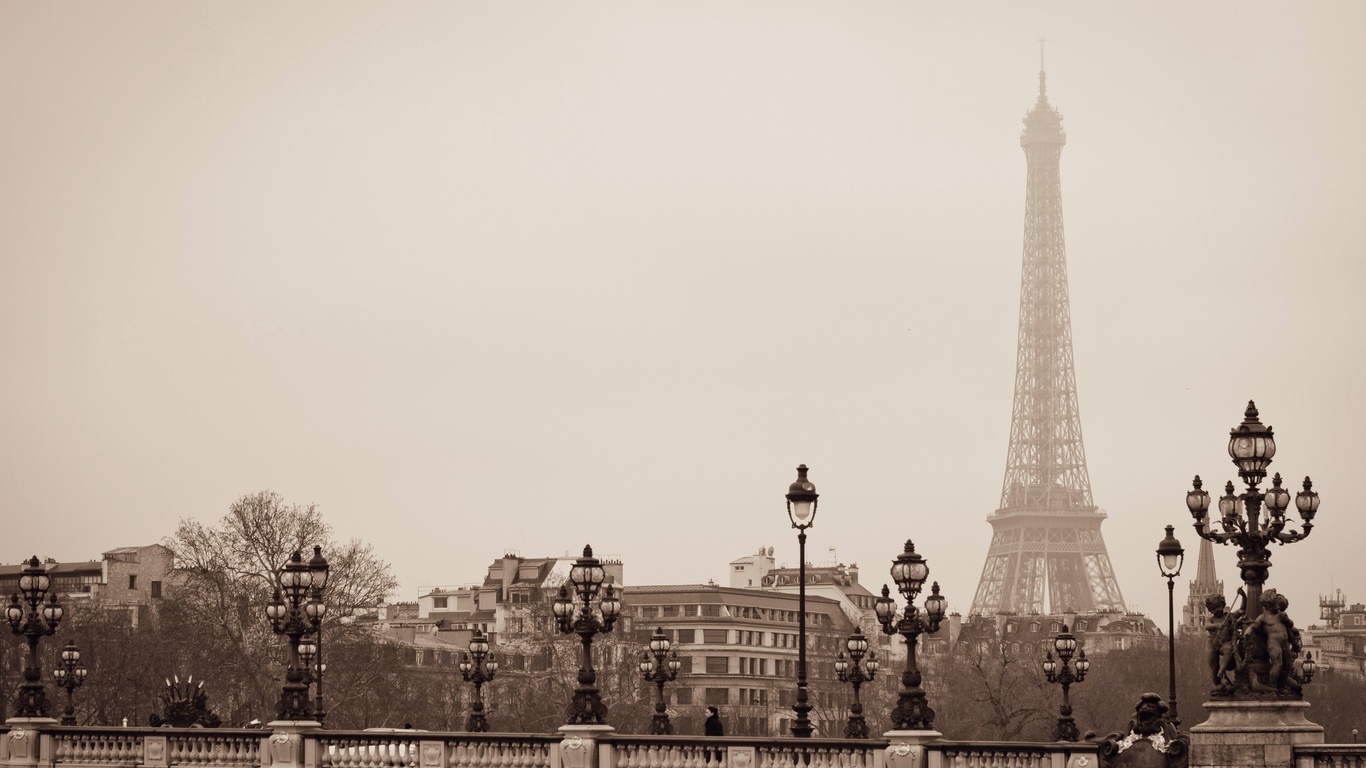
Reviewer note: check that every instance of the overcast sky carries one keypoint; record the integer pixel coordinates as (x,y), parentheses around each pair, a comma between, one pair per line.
(485,276)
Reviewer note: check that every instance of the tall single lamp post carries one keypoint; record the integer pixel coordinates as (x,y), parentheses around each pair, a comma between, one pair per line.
(1061,671)
(856,672)
(909,571)
(659,664)
(478,668)
(295,612)
(70,674)
(801,510)
(577,614)
(33,617)
(1251,446)
(1170,556)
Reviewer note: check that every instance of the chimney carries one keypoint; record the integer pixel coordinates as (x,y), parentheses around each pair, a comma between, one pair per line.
(955,627)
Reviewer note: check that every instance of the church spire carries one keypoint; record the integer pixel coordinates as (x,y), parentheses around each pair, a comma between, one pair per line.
(1194,614)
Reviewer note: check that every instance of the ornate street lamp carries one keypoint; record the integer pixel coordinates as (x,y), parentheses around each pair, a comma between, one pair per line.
(1060,671)
(296,611)
(577,615)
(856,672)
(70,675)
(317,565)
(659,665)
(909,571)
(1251,446)
(1170,556)
(801,510)
(478,671)
(33,617)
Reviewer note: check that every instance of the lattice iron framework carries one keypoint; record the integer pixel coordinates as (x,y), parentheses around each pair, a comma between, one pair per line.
(1046,534)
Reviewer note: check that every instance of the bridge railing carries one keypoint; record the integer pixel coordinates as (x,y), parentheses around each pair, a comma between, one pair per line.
(108,747)
(1330,756)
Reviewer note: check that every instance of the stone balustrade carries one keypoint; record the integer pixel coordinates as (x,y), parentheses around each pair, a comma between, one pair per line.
(1330,756)
(45,745)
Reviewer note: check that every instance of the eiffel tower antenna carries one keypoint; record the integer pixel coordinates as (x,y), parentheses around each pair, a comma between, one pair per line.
(1046,552)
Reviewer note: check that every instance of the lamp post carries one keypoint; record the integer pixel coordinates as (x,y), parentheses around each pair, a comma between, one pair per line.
(318,566)
(1251,446)
(1170,556)
(1060,671)
(576,614)
(70,675)
(659,665)
(856,672)
(480,670)
(909,571)
(801,510)
(296,611)
(33,617)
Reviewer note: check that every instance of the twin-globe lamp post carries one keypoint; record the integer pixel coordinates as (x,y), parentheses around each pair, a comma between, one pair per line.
(577,614)
(70,674)
(297,611)
(33,617)
(1061,671)
(1170,556)
(659,665)
(856,672)
(909,571)
(478,668)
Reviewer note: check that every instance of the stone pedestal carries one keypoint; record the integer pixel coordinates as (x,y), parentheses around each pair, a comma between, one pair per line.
(1239,734)
(907,749)
(578,748)
(286,746)
(27,743)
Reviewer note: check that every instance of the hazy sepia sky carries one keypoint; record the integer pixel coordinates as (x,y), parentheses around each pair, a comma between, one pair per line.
(491,275)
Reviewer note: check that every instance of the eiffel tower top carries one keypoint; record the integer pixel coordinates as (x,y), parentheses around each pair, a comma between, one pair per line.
(1043,123)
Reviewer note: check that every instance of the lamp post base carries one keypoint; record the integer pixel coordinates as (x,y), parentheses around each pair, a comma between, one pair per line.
(660,725)
(912,711)
(587,708)
(856,728)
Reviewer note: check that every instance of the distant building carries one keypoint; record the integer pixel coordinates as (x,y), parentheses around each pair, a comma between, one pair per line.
(739,648)
(131,578)
(1097,633)
(1339,644)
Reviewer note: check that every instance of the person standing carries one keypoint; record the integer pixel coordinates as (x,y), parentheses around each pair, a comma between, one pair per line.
(712,725)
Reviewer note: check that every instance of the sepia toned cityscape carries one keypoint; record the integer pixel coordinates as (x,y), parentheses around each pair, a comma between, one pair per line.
(627,386)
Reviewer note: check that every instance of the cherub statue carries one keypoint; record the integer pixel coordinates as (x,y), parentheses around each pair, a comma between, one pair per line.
(1223,642)
(1275,630)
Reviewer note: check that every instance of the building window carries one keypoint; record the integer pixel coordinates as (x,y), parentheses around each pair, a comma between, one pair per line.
(438,602)
(711,611)
(716,695)
(718,665)
(686,636)
(670,611)
(717,636)
(132,581)
(156,589)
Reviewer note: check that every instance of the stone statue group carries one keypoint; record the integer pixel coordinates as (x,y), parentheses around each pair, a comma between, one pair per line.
(1255,656)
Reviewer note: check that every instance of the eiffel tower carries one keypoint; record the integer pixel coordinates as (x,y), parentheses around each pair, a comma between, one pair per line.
(1046,539)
